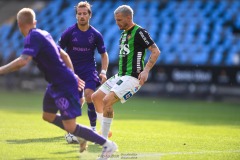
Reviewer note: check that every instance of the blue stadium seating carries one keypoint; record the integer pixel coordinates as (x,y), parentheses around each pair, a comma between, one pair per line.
(187,32)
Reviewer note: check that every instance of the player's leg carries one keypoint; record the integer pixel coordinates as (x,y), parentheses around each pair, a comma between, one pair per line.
(91,109)
(82,131)
(86,133)
(123,89)
(108,102)
(82,101)
(74,139)
(97,98)
(92,81)
(50,110)
(53,118)
(68,104)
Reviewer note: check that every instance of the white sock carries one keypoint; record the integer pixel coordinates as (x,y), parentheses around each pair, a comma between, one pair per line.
(100,119)
(106,124)
(107,143)
(93,128)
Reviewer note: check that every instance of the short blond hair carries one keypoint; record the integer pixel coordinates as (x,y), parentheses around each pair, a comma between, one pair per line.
(126,10)
(26,16)
(84,4)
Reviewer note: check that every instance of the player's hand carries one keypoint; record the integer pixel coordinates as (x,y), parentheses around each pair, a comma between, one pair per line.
(103,77)
(143,76)
(81,83)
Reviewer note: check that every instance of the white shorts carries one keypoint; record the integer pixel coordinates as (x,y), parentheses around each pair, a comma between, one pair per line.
(124,87)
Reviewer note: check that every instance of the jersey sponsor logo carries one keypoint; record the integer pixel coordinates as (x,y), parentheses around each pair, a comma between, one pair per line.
(119,82)
(62,103)
(124,51)
(139,57)
(144,38)
(81,49)
(127,95)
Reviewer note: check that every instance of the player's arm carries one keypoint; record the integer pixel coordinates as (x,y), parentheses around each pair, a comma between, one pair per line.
(16,64)
(104,62)
(66,59)
(155,52)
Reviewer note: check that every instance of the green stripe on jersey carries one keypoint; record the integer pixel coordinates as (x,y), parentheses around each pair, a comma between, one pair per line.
(127,51)
(132,50)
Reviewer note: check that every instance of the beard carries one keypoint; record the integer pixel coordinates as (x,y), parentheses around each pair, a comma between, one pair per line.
(82,23)
(123,27)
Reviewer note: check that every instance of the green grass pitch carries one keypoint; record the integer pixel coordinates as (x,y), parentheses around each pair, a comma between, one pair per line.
(143,128)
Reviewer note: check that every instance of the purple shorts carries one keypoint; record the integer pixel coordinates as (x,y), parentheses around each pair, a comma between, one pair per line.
(91,80)
(66,102)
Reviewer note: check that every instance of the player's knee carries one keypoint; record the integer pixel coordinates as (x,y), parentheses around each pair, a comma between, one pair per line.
(88,98)
(106,101)
(108,111)
(94,97)
(48,117)
(70,128)
(45,118)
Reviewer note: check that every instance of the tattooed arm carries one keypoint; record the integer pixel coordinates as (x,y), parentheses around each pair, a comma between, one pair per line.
(15,64)
(155,52)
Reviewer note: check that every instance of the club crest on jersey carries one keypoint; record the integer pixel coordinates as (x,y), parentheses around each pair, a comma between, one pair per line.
(91,38)
(127,95)
(129,36)
(62,103)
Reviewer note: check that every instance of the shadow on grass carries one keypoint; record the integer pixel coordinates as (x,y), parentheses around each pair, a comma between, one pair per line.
(92,148)
(36,140)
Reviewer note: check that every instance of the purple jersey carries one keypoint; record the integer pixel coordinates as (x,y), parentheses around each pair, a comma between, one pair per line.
(40,45)
(81,46)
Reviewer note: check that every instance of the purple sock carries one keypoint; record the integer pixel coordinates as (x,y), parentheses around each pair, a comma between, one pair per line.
(58,122)
(92,114)
(88,134)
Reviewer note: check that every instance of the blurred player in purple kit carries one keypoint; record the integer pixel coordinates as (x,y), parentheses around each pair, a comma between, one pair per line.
(80,41)
(62,91)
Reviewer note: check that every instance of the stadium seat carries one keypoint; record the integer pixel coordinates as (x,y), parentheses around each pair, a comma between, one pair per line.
(177,27)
